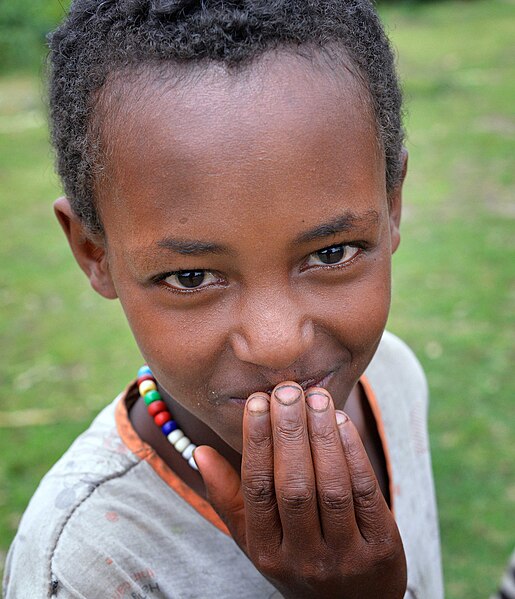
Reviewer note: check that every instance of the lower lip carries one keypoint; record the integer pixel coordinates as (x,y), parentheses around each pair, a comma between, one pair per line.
(323,383)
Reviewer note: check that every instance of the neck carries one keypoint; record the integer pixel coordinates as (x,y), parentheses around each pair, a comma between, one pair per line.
(192,427)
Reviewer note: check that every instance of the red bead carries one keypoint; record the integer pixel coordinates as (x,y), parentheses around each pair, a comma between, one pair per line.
(162,417)
(155,407)
(145,377)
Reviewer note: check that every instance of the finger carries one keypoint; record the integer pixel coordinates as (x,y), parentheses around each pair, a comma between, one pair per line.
(373,517)
(263,526)
(295,487)
(334,491)
(223,490)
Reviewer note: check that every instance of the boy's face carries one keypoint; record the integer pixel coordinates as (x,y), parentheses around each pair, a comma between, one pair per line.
(267,187)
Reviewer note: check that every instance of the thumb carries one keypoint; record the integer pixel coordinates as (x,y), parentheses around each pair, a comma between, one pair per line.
(223,488)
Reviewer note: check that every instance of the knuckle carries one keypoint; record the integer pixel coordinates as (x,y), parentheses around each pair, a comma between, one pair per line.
(258,489)
(286,432)
(317,571)
(386,541)
(384,550)
(259,443)
(367,494)
(297,499)
(266,563)
(333,499)
(325,436)
(380,536)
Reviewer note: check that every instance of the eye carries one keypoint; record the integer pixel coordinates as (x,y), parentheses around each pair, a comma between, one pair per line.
(184,280)
(333,255)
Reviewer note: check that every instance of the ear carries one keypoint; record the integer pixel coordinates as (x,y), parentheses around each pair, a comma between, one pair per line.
(90,252)
(395,204)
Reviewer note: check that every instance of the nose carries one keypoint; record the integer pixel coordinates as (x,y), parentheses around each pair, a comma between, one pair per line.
(272,332)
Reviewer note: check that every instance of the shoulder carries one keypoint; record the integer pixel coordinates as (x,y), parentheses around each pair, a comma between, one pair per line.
(396,369)
(394,353)
(96,456)
(507,588)
(399,387)
(101,548)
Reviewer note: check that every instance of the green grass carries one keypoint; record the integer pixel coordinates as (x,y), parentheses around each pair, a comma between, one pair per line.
(56,352)
(454,275)
(454,284)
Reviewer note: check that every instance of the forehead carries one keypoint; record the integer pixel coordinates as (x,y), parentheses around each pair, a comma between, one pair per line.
(283,134)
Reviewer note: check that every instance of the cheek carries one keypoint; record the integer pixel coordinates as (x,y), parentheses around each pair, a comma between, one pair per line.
(356,313)
(182,347)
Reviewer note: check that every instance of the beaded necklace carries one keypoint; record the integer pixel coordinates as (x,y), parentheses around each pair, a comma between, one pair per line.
(159,412)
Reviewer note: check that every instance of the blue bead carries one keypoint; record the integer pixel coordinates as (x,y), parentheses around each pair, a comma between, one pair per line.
(144,370)
(168,427)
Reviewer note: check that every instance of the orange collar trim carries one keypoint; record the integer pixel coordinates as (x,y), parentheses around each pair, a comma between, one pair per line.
(376,412)
(146,453)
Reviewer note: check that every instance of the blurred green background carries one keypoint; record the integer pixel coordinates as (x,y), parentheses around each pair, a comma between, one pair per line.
(454,275)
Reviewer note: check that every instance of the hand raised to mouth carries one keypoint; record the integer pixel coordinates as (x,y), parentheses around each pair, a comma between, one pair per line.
(308,510)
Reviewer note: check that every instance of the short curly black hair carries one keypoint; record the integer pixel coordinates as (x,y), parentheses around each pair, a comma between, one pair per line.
(102,37)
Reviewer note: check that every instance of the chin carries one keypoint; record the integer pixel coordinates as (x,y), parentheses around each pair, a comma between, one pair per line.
(231,433)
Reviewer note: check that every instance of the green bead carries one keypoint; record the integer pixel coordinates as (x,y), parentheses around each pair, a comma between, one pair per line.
(152,396)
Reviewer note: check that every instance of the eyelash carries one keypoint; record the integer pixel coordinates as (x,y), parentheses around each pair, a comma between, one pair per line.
(358,246)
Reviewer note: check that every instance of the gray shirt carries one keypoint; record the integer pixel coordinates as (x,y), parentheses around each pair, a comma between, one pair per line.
(110,520)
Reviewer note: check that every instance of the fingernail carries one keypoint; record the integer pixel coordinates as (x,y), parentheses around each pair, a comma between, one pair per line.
(257,405)
(287,394)
(317,401)
(341,417)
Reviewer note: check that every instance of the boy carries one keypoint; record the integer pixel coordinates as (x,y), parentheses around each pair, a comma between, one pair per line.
(233,174)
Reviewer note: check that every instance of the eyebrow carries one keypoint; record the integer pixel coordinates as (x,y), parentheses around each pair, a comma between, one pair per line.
(340,224)
(193,248)
(345,222)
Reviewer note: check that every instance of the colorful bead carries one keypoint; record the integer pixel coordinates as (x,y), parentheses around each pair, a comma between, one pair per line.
(147,386)
(157,409)
(145,370)
(188,452)
(151,396)
(175,435)
(168,427)
(145,377)
(181,444)
(162,417)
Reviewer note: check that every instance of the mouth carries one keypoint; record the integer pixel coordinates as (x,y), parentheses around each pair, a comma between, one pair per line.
(319,380)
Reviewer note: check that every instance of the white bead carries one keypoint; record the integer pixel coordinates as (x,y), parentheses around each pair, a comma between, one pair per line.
(147,386)
(188,452)
(175,435)
(181,444)
(192,463)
